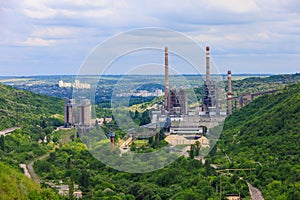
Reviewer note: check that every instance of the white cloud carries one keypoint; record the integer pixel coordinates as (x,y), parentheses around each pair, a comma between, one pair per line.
(92,13)
(71,9)
(235,6)
(80,3)
(52,31)
(37,42)
(263,35)
(40,14)
(231,27)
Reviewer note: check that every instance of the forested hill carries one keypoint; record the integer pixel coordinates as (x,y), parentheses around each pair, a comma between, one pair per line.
(265,136)
(260,84)
(23,108)
(36,116)
(280,78)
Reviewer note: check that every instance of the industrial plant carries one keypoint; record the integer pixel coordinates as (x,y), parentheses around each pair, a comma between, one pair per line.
(183,124)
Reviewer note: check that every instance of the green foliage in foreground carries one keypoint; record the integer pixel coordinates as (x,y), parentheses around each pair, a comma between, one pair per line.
(183,179)
(265,136)
(15,185)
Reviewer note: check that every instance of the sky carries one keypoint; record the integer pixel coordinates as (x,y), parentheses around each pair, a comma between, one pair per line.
(40,37)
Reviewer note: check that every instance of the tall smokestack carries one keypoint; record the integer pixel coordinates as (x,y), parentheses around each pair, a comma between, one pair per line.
(229,99)
(207,65)
(167,96)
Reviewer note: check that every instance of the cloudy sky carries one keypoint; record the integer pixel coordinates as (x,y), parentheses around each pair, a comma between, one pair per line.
(54,37)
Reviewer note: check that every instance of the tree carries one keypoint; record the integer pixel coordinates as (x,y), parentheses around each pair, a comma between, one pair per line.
(136,114)
(2,142)
(145,118)
(192,151)
(84,180)
(43,122)
(71,189)
(197,148)
(68,166)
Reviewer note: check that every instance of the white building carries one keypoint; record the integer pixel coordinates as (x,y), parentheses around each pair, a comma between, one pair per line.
(76,85)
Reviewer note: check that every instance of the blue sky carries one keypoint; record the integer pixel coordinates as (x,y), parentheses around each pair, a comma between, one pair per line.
(54,37)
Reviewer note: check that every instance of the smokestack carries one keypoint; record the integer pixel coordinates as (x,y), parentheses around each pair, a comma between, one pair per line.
(112,140)
(207,65)
(229,93)
(167,96)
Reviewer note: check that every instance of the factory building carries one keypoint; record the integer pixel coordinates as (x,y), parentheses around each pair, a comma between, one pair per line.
(178,102)
(210,96)
(84,113)
(77,114)
(175,103)
(69,113)
(190,123)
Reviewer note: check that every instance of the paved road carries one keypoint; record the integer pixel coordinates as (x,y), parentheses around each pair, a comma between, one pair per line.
(255,193)
(31,170)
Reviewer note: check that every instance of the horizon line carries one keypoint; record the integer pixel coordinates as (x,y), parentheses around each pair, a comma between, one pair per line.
(222,74)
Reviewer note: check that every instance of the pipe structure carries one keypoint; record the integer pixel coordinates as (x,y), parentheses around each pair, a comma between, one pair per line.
(167,95)
(207,65)
(229,99)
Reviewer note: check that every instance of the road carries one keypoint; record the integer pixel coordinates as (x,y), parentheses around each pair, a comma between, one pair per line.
(34,176)
(31,170)
(23,166)
(255,193)
(8,131)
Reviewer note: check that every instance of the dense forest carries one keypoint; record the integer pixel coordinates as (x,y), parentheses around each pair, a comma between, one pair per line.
(184,179)
(37,115)
(262,137)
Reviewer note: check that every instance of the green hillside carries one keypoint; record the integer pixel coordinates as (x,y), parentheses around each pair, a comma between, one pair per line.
(258,84)
(261,139)
(15,185)
(37,115)
(264,136)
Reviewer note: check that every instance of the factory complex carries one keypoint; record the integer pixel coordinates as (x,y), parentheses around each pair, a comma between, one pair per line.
(183,124)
